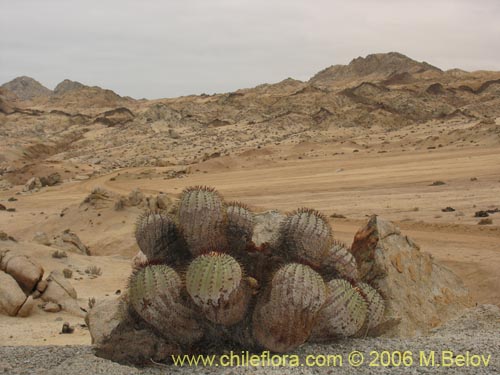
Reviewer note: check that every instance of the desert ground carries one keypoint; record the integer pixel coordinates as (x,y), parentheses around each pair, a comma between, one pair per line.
(394,185)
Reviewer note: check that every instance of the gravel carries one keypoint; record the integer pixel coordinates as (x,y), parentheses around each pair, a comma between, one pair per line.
(476,332)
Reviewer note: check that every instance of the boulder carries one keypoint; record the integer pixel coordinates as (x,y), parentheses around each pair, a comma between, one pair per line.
(51,180)
(26,308)
(61,292)
(102,319)
(25,271)
(51,307)
(136,198)
(266,225)
(12,297)
(32,184)
(129,342)
(163,201)
(420,294)
(69,241)
(42,238)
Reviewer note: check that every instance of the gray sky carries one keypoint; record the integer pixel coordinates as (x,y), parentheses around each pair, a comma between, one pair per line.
(165,48)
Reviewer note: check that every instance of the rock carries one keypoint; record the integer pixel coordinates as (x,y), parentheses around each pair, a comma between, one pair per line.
(26,308)
(68,240)
(163,201)
(42,285)
(136,198)
(102,319)
(12,297)
(51,307)
(131,342)
(25,271)
(266,225)
(51,180)
(42,238)
(420,294)
(2,207)
(32,184)
(66,328)
(61,292)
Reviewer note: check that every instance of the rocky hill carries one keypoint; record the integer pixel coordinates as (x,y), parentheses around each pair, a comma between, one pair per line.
(382,92)
(26,88)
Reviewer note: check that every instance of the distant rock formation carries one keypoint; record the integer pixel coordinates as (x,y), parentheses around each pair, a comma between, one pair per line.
(27,88)
(380,65)
(68,85)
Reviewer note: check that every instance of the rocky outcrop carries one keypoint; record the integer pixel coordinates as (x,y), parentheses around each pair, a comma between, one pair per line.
(69,241)
(26,88)
(266,224)
(61,292)
(120,338)
(12,297)
(378,65)
(26,272)
(420,294)
(103,318)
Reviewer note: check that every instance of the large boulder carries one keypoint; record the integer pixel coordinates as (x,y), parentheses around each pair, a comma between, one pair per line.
(51,180)
(102,319)
(25,271)
(61,292)
(266,225)
(69,241)
(12,297)
(33,183)
(123,339)
(420,294)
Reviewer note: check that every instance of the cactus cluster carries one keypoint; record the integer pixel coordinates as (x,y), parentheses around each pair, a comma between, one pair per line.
(205,281)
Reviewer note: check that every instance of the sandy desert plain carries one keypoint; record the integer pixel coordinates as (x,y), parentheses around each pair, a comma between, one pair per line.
(371,137)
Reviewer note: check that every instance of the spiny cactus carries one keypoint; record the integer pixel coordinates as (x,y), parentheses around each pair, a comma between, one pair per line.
(343,313)
(155,295)
(202,218)
(376,305)
(215,283)
(158,237)
(339,262)
(284,316)
(304,236)
(240,223)
(206,285)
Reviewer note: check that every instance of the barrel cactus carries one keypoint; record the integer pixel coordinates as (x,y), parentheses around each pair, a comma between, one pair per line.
(285,314)
(202,218)
(343,313)
(206,285)
(339,262)
(240,224)
(216,285)
(155,295)
(158,238)
(304,236)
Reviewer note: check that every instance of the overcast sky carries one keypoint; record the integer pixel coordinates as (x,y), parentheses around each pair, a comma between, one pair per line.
(166,48)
